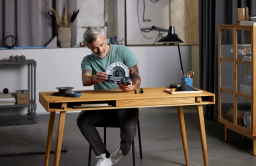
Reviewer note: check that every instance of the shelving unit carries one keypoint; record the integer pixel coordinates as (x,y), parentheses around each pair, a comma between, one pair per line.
(237,77)
(31,86)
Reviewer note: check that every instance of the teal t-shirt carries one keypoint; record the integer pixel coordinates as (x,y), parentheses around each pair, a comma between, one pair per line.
(117,53)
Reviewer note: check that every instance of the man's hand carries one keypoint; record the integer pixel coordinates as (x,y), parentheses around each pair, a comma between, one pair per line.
(100,77)
(126,88)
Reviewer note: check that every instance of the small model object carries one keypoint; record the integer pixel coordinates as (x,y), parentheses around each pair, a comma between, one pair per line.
(141,90)
(5,90)
(118,73)
(135,91)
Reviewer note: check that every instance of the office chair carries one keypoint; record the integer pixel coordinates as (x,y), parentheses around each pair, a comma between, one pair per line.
(117,125)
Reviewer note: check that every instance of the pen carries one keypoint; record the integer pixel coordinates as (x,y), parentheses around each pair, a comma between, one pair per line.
(181,74)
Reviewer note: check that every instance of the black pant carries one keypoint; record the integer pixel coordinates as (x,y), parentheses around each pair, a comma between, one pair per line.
(125,118)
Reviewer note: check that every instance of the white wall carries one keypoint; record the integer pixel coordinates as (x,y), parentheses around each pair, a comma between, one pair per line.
(91,14)
(158,66)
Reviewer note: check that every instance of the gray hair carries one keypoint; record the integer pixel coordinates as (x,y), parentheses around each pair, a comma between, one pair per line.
(91,34)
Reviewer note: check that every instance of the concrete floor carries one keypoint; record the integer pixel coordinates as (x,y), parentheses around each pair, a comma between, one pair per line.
(161,142)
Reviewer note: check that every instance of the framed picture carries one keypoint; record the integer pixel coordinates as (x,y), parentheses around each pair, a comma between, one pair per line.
(146,21)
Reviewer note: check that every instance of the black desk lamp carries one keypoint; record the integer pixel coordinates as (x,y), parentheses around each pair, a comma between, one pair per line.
(173,38)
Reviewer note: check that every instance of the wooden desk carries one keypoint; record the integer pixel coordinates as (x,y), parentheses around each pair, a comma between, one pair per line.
(152,97)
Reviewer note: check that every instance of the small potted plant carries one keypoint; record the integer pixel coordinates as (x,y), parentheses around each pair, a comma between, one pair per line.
(64,23)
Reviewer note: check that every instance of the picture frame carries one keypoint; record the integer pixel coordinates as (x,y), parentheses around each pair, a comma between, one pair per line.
(139,20)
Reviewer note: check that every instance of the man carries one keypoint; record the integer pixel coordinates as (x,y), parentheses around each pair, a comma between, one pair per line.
(93,73)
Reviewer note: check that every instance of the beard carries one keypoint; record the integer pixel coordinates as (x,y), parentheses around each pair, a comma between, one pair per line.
(103,55)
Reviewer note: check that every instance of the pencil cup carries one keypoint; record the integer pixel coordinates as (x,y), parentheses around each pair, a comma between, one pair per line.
(188,81)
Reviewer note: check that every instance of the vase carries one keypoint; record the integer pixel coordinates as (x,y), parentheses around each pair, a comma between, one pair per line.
(64,37)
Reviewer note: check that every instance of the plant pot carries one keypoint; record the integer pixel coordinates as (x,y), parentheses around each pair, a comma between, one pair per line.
(64,37)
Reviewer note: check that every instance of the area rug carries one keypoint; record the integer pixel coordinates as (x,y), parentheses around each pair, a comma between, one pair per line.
(25,139)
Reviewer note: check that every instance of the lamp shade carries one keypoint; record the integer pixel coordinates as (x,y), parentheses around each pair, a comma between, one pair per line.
(171,37)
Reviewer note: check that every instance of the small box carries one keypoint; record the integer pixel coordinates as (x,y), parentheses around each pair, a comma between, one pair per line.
(188,81)
(22,96)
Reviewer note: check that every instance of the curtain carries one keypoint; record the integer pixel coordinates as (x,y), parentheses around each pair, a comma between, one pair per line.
(211,14)
(30,23)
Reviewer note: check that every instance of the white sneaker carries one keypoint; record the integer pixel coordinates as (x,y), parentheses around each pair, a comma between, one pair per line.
(103,161)
(116,155)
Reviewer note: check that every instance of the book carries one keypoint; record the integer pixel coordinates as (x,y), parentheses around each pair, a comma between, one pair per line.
(2,95)
(7,103)
(95,105)
(247,23)
(182,92)
(245,59)
(244,45)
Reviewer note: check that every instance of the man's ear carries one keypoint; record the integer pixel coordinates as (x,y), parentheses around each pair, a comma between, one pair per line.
(87,46)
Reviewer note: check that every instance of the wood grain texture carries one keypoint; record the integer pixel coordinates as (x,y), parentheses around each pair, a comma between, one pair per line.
(200,112)
(253,113)
(49,138)
(254,146)
(155,102)
(59,138)
(185,19)
(183,133)
(156,95)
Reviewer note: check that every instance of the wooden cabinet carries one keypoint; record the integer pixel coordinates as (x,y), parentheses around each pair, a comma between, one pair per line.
(236,79)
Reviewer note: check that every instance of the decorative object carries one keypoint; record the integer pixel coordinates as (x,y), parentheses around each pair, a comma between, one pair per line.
(5,90)
(25,139)
(17,57)
(23,58)
(22,96)
(52,43)
(12,58)
(243,14)
(64,31)
(184,14)
(64,90)
(75,94)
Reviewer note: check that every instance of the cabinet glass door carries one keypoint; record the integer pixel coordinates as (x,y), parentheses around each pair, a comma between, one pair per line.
(227,43)
(244,80)
(244,51)
(244,112)
(227,106)
(227,74)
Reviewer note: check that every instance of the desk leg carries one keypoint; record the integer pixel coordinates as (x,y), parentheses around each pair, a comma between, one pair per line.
(183,133)
(49,138)
(203,135)
(59,137)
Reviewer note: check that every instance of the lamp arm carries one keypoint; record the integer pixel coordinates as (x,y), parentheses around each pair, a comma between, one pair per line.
(180,60)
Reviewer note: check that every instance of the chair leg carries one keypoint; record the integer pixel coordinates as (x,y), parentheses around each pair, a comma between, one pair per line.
(133,154)
(138,124)
(90,153)
(105,136)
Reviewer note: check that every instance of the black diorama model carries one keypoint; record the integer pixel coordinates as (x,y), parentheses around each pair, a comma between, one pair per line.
(118,73)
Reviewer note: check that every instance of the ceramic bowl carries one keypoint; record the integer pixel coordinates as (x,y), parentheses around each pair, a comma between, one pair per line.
(75,94)
(64,89)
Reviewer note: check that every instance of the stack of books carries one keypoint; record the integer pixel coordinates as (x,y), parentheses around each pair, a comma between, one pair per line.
(7,99)
(247,57)
(247,22)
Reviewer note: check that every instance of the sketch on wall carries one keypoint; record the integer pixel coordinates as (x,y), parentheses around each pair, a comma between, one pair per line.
(141,15)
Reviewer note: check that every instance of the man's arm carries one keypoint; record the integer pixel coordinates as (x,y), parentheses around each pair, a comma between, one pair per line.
(88,80)
(135,77)
(87,77)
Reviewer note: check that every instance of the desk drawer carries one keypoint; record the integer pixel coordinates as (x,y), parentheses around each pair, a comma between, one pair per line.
(155,102)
